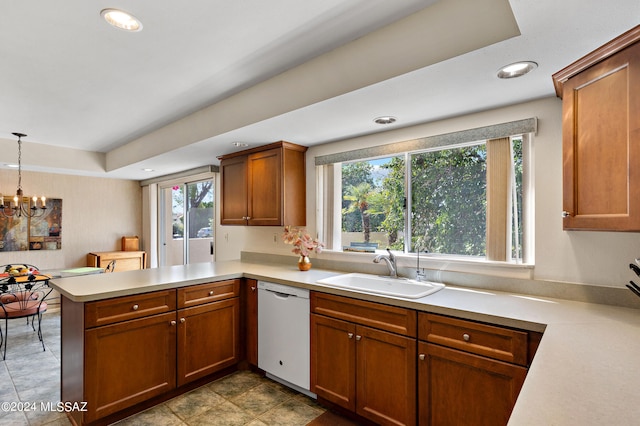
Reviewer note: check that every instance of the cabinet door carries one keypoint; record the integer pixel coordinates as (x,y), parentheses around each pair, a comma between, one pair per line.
(251,320)
(129,362)
(457,388)
(265,188)
(333,365)
(386,377)
(233,178)
(208,339)
(601,145)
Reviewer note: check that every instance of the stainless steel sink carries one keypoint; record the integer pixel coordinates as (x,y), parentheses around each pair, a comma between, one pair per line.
(398,287)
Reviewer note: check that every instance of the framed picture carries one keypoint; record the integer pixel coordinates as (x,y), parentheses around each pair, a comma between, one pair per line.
(20,233)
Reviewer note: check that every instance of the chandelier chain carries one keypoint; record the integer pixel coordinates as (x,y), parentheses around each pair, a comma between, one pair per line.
(19,163)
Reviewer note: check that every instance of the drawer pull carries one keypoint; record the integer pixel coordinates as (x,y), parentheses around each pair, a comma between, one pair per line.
(211,293)
(182,320)
(421,357)
(358,337)
(172,323)
(350,335)
(466,337)
(135,307)
(253,289)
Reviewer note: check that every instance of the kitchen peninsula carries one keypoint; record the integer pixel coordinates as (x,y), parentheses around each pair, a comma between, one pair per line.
(583,371)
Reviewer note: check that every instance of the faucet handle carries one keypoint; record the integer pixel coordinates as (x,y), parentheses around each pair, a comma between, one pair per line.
(391,256)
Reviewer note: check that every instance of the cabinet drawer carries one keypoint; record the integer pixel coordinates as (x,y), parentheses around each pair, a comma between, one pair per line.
(376,315)
(209,292)
(128,307)
(494,342)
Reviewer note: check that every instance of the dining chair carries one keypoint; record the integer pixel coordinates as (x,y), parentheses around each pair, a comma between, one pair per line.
(23,291)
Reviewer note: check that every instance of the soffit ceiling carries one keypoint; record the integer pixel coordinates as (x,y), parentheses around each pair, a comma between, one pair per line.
(197,78)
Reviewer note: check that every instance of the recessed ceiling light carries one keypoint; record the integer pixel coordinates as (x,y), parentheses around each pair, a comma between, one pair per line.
(384,120)
(120,19)
(240,144)
(517,69)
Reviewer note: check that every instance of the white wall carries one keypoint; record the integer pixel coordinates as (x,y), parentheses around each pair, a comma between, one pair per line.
(597,258)
(96,214)
(231,240)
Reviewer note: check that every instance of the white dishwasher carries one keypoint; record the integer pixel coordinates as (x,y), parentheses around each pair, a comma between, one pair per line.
(283,334)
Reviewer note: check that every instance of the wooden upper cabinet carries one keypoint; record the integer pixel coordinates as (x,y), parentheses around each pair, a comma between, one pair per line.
(601,137)
(264,186)
(233,175)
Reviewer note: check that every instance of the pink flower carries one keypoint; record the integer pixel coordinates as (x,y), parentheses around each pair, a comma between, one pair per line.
(303,243)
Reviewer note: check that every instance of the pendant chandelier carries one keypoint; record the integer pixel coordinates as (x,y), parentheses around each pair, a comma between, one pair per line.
(20,206)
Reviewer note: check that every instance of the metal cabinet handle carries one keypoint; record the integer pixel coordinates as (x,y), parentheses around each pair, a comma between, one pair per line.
(466,337)
(358,337)
(253,289)
(565,213)
(421,357)
(350,335)
(182,320)
(135,307)
(211,293)
(172,323)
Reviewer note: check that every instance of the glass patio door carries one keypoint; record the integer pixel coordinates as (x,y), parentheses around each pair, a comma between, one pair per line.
(186,223)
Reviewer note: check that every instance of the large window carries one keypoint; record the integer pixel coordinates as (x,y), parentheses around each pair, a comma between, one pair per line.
(373,204)
(462,200)
(448,201)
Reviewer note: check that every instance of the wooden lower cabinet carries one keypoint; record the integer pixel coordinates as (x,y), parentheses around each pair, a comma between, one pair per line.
(386,364)
(470,373)
(368,371)
(118,353)
(386,378)
(333,360)
(251,321)
(208,339)
(128,362)
(459,388)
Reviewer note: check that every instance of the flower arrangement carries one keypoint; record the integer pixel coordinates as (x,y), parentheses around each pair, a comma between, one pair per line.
(303,243)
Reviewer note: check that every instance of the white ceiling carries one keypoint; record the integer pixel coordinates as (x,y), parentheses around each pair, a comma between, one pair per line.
(177,94)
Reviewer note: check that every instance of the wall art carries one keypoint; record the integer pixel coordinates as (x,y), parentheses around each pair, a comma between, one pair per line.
(21,233)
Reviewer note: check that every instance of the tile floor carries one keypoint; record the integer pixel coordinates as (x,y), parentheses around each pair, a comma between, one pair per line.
(31,375)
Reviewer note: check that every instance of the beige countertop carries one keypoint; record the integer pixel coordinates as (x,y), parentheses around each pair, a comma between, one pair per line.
(586,370)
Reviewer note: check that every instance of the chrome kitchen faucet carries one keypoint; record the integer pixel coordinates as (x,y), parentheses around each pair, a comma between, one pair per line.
(390,260)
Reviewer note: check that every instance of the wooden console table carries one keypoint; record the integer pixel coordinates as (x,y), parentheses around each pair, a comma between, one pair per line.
(125,260)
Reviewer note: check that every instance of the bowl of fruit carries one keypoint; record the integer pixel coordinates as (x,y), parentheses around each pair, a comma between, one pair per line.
(19,270)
